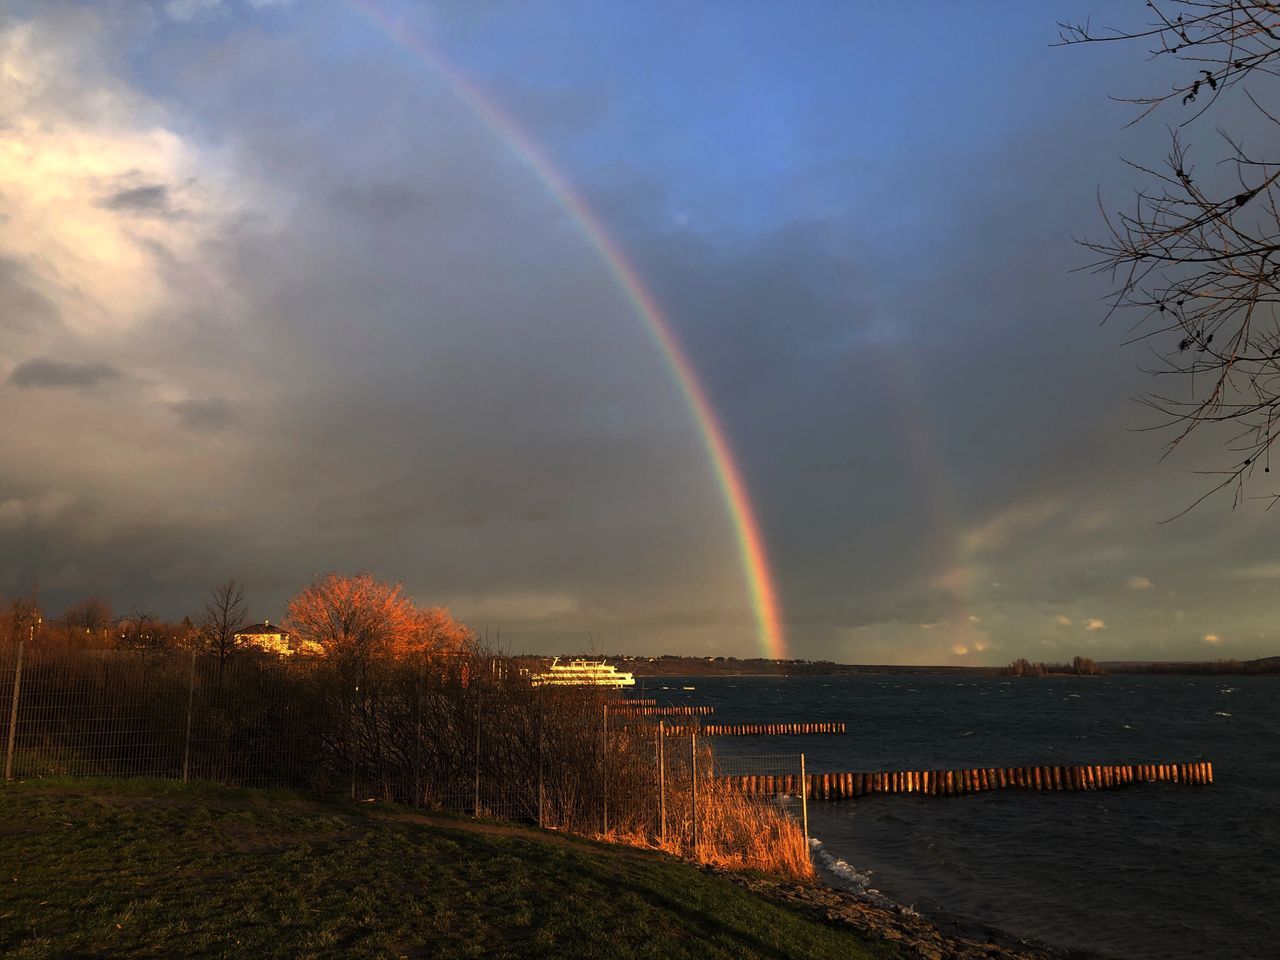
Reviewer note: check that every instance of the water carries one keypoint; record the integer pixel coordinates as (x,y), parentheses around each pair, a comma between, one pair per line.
(1149,871)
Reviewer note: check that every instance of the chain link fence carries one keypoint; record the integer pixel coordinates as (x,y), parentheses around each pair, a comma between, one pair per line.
(469,735)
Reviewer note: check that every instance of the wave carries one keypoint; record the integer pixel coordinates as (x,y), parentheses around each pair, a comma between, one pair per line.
(852,880)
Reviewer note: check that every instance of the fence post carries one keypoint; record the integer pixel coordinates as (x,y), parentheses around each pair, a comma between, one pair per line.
(475,805)
(804,805)
(604,771)
(191,699)
(541,721)
(13,715)
(351,741)
(693,785)
(662,780)
(419,693)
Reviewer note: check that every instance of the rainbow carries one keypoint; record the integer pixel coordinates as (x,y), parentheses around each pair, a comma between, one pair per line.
(750,542)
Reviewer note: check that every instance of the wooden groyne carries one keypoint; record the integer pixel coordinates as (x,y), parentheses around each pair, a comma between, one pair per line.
(638,703)
(673,711)
(950,783)
(759,729)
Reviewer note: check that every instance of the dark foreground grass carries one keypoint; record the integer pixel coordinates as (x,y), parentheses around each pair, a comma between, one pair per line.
(151,869)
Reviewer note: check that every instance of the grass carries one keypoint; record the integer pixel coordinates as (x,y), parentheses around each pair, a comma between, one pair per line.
(155,869)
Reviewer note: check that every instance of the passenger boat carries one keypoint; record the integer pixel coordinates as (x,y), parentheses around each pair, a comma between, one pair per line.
(581,672)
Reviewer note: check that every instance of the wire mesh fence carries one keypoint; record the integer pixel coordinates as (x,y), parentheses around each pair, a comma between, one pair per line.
(169,714)
(466,734)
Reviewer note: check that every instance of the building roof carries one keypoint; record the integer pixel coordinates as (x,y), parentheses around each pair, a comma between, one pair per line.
(266,627)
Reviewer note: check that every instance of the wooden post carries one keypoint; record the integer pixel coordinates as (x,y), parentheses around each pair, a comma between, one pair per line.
(662,780)
(191,698)
(13,715)
(804,807)
(541,788)
(475,804)
(693,781)
(604,772)
(417,740)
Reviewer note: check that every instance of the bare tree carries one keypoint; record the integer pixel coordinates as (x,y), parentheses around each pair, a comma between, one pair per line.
(221,619)
(91,616)
(1194,258)
(21,619)
(140,630)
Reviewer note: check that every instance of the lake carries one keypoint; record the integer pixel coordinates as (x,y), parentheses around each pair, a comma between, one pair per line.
(1146,871)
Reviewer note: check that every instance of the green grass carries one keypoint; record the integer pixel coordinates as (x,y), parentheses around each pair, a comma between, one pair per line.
(154,869)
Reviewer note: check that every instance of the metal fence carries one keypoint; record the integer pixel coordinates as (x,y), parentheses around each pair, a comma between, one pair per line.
(169,715)
(468,736)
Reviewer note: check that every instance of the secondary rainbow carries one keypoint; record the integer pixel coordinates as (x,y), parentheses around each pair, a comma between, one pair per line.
(754,559)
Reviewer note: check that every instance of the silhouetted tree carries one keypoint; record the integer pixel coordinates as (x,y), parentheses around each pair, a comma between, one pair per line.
(21,619)
(221,619)
(142,631)
(91,616)
(1195,255)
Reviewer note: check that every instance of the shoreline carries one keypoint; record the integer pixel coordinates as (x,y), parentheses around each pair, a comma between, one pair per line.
(871,913)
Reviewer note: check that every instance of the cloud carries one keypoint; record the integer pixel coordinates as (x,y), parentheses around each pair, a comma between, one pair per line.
(1138,583)
(208,413)
(519,605)
(184,10)
(1062,620)
(22,306)
(1094,623)
(152,198)
(42,372)
(1019,518)
(187,10)
(80,147)
(1266,570)
(42,509)
(1212,639)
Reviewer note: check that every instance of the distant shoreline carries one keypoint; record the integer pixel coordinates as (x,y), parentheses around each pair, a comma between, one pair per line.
(674,666)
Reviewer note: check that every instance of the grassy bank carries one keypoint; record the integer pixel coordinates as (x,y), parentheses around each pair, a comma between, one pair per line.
(149,869)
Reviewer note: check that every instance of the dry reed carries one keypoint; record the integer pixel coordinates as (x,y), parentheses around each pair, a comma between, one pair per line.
(734,831)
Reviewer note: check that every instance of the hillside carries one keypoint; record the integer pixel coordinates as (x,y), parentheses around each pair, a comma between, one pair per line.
(150,869)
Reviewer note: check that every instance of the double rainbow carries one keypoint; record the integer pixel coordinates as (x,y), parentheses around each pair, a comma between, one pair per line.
(755,562)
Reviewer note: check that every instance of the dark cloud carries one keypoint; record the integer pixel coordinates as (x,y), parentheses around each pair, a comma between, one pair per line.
(55,374)
(150,199)
(203,414)
(434,377)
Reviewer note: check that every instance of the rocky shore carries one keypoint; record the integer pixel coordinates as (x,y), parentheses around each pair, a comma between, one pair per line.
(928,939)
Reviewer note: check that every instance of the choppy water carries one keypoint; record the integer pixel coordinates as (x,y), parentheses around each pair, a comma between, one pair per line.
(1150,871)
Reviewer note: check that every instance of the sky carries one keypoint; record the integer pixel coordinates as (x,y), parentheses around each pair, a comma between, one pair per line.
(278,296)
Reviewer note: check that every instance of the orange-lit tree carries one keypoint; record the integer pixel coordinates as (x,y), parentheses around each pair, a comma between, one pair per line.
(437,633)
(377,669)
(358,617)
(352,617)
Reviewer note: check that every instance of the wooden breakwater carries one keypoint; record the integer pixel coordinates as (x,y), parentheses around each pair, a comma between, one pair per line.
(757,729)
(950,783)
(637,703)
(672,711)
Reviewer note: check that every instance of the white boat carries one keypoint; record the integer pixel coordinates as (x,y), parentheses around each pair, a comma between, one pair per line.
(581,672)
